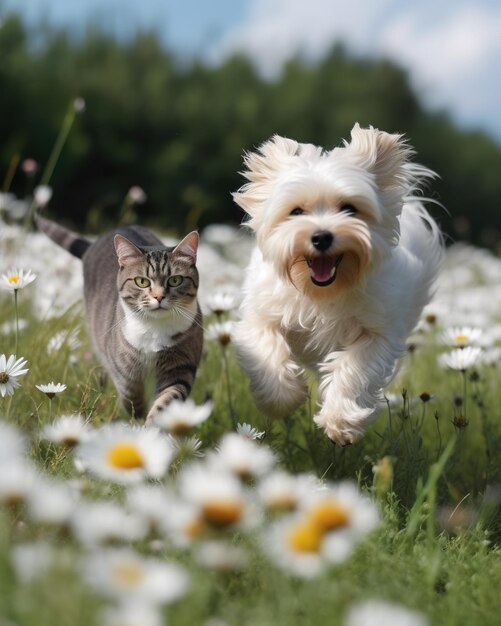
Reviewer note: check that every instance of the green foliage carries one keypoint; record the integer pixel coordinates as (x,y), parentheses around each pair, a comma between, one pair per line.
(179,130)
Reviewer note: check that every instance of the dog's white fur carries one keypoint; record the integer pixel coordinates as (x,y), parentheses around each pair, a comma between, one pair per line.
(352,331)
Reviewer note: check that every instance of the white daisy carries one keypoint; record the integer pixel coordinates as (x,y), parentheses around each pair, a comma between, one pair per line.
(96,523)
(17,479)
(460,359)
(325,530)
(10,370)
(248,431)
(122,574)
(31,560)
(68,430)
(218,495)
(295,546)
(152,502)
(51,502)
(180,417)
(51,389)
(17,279)
(280,491)
(243,457)
(461,336)
(219,556)
(125,454)
(221,332)
(12,444)
(220,303)
(381,613)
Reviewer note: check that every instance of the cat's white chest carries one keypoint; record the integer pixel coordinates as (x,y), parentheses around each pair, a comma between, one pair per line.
(150,334)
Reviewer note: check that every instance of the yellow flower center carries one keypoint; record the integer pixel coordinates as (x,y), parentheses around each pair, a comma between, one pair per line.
(194,528)
(222,513)
(282,502)
(128,574)
(329,515)
(305,537)
(180,428)
(13,280)
(125,456)
(461,338)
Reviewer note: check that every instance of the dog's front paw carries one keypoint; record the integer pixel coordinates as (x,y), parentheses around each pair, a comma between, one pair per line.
(343,430)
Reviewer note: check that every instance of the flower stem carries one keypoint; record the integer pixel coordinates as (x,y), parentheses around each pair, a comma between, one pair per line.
(16,311)
(64,131)
(228,386)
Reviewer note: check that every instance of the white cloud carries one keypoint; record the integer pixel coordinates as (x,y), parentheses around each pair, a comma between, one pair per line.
(452,48)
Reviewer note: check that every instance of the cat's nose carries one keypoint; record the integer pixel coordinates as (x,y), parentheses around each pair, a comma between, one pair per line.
(158,298)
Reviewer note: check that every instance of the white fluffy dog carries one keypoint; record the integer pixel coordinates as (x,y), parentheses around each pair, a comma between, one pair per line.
(345,260)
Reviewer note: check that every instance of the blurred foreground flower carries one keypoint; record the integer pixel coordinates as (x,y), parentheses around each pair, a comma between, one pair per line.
(325,530)
(12,443)
(17,279)
(217,496)
(381,613)
(125,454)
(242,457)
(179,417)
(68,430)
(132,613)
(122,574)
(31,560)
(10,370)
(95,523)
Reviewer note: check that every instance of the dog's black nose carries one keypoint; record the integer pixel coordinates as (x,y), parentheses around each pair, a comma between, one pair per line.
(322,240)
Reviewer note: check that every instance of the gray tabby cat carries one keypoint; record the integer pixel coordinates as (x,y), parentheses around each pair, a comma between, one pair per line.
(141,308)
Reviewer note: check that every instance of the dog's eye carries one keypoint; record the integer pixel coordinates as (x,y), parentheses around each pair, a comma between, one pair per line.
(297,211)
(349,209)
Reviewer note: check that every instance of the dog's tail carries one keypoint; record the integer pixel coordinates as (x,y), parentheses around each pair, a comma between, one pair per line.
(72,242)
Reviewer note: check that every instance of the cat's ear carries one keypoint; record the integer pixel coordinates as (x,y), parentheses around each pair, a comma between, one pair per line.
(126,251)
(189,245)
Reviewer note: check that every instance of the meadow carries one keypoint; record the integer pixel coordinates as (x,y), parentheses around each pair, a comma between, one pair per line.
(224,516)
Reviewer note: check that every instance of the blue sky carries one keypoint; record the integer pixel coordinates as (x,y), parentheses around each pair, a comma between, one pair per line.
(452,48)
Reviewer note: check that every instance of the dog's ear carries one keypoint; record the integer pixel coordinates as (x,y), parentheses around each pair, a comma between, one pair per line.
(385,155)
(261,169)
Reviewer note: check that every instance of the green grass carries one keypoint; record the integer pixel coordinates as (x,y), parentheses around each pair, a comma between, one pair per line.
(428,466)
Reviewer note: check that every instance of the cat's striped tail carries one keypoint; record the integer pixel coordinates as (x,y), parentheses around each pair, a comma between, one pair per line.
(67,239)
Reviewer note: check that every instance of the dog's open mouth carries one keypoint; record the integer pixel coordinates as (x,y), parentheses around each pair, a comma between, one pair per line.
(323,269)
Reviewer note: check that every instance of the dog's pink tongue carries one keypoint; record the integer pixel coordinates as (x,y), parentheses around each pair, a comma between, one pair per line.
(321,268)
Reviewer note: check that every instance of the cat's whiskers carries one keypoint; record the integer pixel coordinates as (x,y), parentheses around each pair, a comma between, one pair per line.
(182,311)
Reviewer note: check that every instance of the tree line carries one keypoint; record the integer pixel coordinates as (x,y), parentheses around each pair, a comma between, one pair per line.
(179,130)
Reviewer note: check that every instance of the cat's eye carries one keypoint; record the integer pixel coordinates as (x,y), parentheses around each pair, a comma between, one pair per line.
(349,209)
(142,282)
(175,281)
(297,211)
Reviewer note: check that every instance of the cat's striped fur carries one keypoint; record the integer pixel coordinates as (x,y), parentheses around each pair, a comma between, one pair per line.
(141,309)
